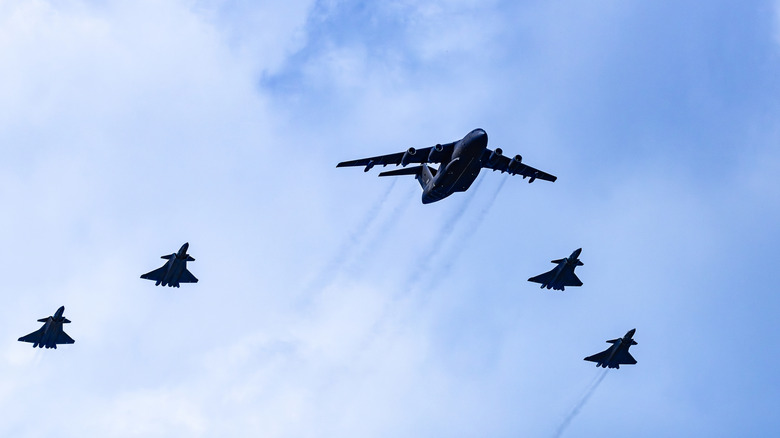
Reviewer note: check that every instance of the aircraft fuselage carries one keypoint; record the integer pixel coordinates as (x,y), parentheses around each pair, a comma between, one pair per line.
(173,270)
(459,173)
(51,330)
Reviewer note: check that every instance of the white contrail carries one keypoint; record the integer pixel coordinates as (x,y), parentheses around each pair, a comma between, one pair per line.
(383,230)
(580,403)
(329,272)
(441,238)
(473,225)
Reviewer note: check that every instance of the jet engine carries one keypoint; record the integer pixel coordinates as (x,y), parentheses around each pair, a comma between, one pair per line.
(435,155)
(516,163)
(494,157)
(407,158)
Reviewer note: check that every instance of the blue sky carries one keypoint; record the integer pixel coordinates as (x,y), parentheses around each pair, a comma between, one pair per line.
(332,302)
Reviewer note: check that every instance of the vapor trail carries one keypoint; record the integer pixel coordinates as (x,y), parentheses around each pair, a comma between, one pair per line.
(580,403)
(442,237)
(473,225)
(328,273)
(383,230)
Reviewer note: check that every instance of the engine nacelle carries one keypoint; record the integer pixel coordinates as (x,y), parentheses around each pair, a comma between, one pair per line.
(494,157)
(407,158)
(516,164)
(435,155)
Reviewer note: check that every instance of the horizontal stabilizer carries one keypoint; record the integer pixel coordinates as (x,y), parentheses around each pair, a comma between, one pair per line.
(168,257)
(612,341)
(43,319)
(190,259)
(579,263)
(557,261)
(416,170)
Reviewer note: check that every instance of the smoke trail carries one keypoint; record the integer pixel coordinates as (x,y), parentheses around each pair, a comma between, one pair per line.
(328,272)
(442,237)
(383,230)
(37,357)
(578,406)
(473,225)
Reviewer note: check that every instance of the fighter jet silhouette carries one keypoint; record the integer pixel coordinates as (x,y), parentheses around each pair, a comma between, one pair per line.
(562,275)
(174,271)
(617,354)
(51,333)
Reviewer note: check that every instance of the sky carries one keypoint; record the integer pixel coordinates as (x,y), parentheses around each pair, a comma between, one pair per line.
(334,303)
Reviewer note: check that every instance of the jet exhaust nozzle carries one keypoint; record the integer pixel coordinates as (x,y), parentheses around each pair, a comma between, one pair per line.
(407,158)
(495,156)
(435,153)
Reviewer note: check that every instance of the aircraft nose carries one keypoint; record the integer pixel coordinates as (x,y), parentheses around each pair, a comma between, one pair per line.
(631,332)
(185,247)
(577,252)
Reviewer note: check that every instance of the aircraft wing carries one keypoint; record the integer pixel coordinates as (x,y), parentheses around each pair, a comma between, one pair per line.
(187,277)
(420,156)
(156,275)
(624,357)
(505,164)
(571,280)
(63,338)
(599,357)
(34,337)
(543,278)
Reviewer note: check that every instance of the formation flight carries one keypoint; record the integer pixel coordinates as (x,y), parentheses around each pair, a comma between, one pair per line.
(51,333)
(174,271)
(562,275)
(459,164)
(617,354)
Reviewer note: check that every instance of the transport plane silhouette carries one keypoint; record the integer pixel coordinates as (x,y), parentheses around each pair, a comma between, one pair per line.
(459,164)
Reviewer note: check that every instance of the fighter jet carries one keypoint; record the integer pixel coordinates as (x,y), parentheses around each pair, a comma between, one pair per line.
(174,271)
(617,354)
(562,275)
(460,163)
(51,333)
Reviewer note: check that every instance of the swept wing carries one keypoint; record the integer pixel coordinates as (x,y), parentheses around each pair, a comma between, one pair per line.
(505,164)
(424,155)
(571,279)
(34,337)
(623,357)
(187,277)
(545,278)
(599,357)
(63,338)
(156,275)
